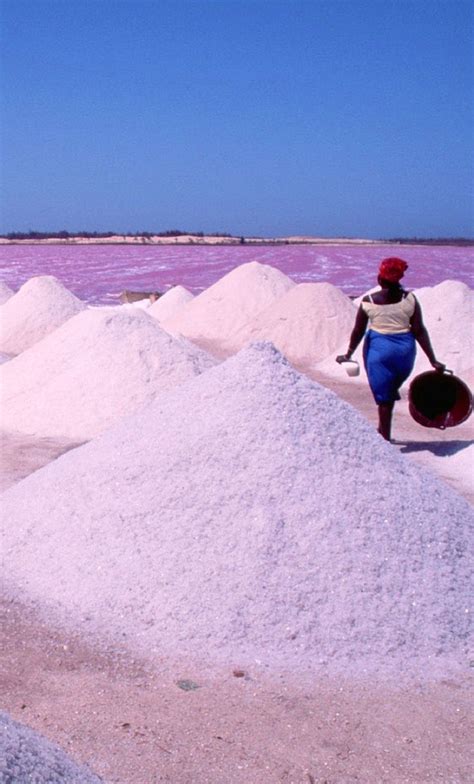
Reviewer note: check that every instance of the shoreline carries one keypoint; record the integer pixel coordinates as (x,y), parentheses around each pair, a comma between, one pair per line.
(188,240)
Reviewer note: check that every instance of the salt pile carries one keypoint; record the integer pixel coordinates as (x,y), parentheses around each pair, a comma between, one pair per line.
(448,310)
(25,757)
(213,318)
(448,313)
(248,514)
(5,292)
(97,367)
(170,303)
(306,324)
(39,307)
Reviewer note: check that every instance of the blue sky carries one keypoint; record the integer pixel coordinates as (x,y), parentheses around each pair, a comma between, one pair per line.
(255,117)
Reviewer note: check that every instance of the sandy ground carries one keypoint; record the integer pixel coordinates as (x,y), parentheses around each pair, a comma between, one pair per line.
(133,724)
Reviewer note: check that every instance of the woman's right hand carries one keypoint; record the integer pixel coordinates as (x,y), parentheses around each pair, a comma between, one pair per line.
(343,358)
(438,366)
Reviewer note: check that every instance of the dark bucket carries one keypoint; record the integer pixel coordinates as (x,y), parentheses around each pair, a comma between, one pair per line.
(439,400)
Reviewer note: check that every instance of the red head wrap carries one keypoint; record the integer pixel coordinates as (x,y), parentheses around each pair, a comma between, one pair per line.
(392,269)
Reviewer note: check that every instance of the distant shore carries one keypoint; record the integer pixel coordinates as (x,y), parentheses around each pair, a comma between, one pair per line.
(198,239)
(183,239)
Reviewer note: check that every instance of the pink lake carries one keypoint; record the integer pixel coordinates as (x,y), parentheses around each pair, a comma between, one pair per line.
(97,272)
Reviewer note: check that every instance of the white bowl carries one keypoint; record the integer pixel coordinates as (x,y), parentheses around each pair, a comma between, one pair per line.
(352,367)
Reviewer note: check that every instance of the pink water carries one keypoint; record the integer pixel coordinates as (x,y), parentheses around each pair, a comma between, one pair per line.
(96,272)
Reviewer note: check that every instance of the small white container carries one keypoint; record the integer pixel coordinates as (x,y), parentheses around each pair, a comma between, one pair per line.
(352,367)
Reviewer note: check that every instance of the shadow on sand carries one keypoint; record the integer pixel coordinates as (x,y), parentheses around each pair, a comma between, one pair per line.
(438,448)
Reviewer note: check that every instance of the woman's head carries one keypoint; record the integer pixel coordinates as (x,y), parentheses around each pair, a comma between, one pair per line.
(391,271)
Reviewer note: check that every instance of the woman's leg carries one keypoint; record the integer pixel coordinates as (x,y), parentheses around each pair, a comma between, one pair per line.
(385,419)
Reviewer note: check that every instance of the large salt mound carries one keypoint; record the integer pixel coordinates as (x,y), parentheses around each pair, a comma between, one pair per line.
(306,324)
(26,757)
(5,292)
(448,311)
(39,307)
(248,513)
(213,318)
(97,367)
(170,303)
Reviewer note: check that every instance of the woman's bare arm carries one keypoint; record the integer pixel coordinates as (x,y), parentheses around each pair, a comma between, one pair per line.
(357,334)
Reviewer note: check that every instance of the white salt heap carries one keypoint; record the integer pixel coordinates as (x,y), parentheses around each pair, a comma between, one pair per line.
(213,318)
(28,758)
(39,307)
(448,312)
(5,292)
(97,367)
(249,513)
(170,303)
(305,324)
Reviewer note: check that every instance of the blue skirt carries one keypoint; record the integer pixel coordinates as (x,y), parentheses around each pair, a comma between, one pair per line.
(388,360)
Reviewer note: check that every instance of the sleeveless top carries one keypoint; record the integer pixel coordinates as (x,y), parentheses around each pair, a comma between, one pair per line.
(392,319)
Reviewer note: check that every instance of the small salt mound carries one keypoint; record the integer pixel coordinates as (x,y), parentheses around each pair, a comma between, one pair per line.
(213,318)
(249,513)
(170,303)
(97,367)
(25,756)
(448,315)
(306,324)
(39,307)
(5,292)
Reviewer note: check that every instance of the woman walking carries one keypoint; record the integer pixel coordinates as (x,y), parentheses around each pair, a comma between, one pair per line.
(395,326)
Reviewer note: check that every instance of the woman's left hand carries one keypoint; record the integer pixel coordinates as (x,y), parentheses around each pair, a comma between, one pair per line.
(343,358)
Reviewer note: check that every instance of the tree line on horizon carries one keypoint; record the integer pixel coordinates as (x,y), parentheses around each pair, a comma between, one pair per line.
(65,235)
(430,240)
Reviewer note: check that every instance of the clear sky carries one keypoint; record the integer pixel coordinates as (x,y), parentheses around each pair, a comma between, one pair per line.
(254,117)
